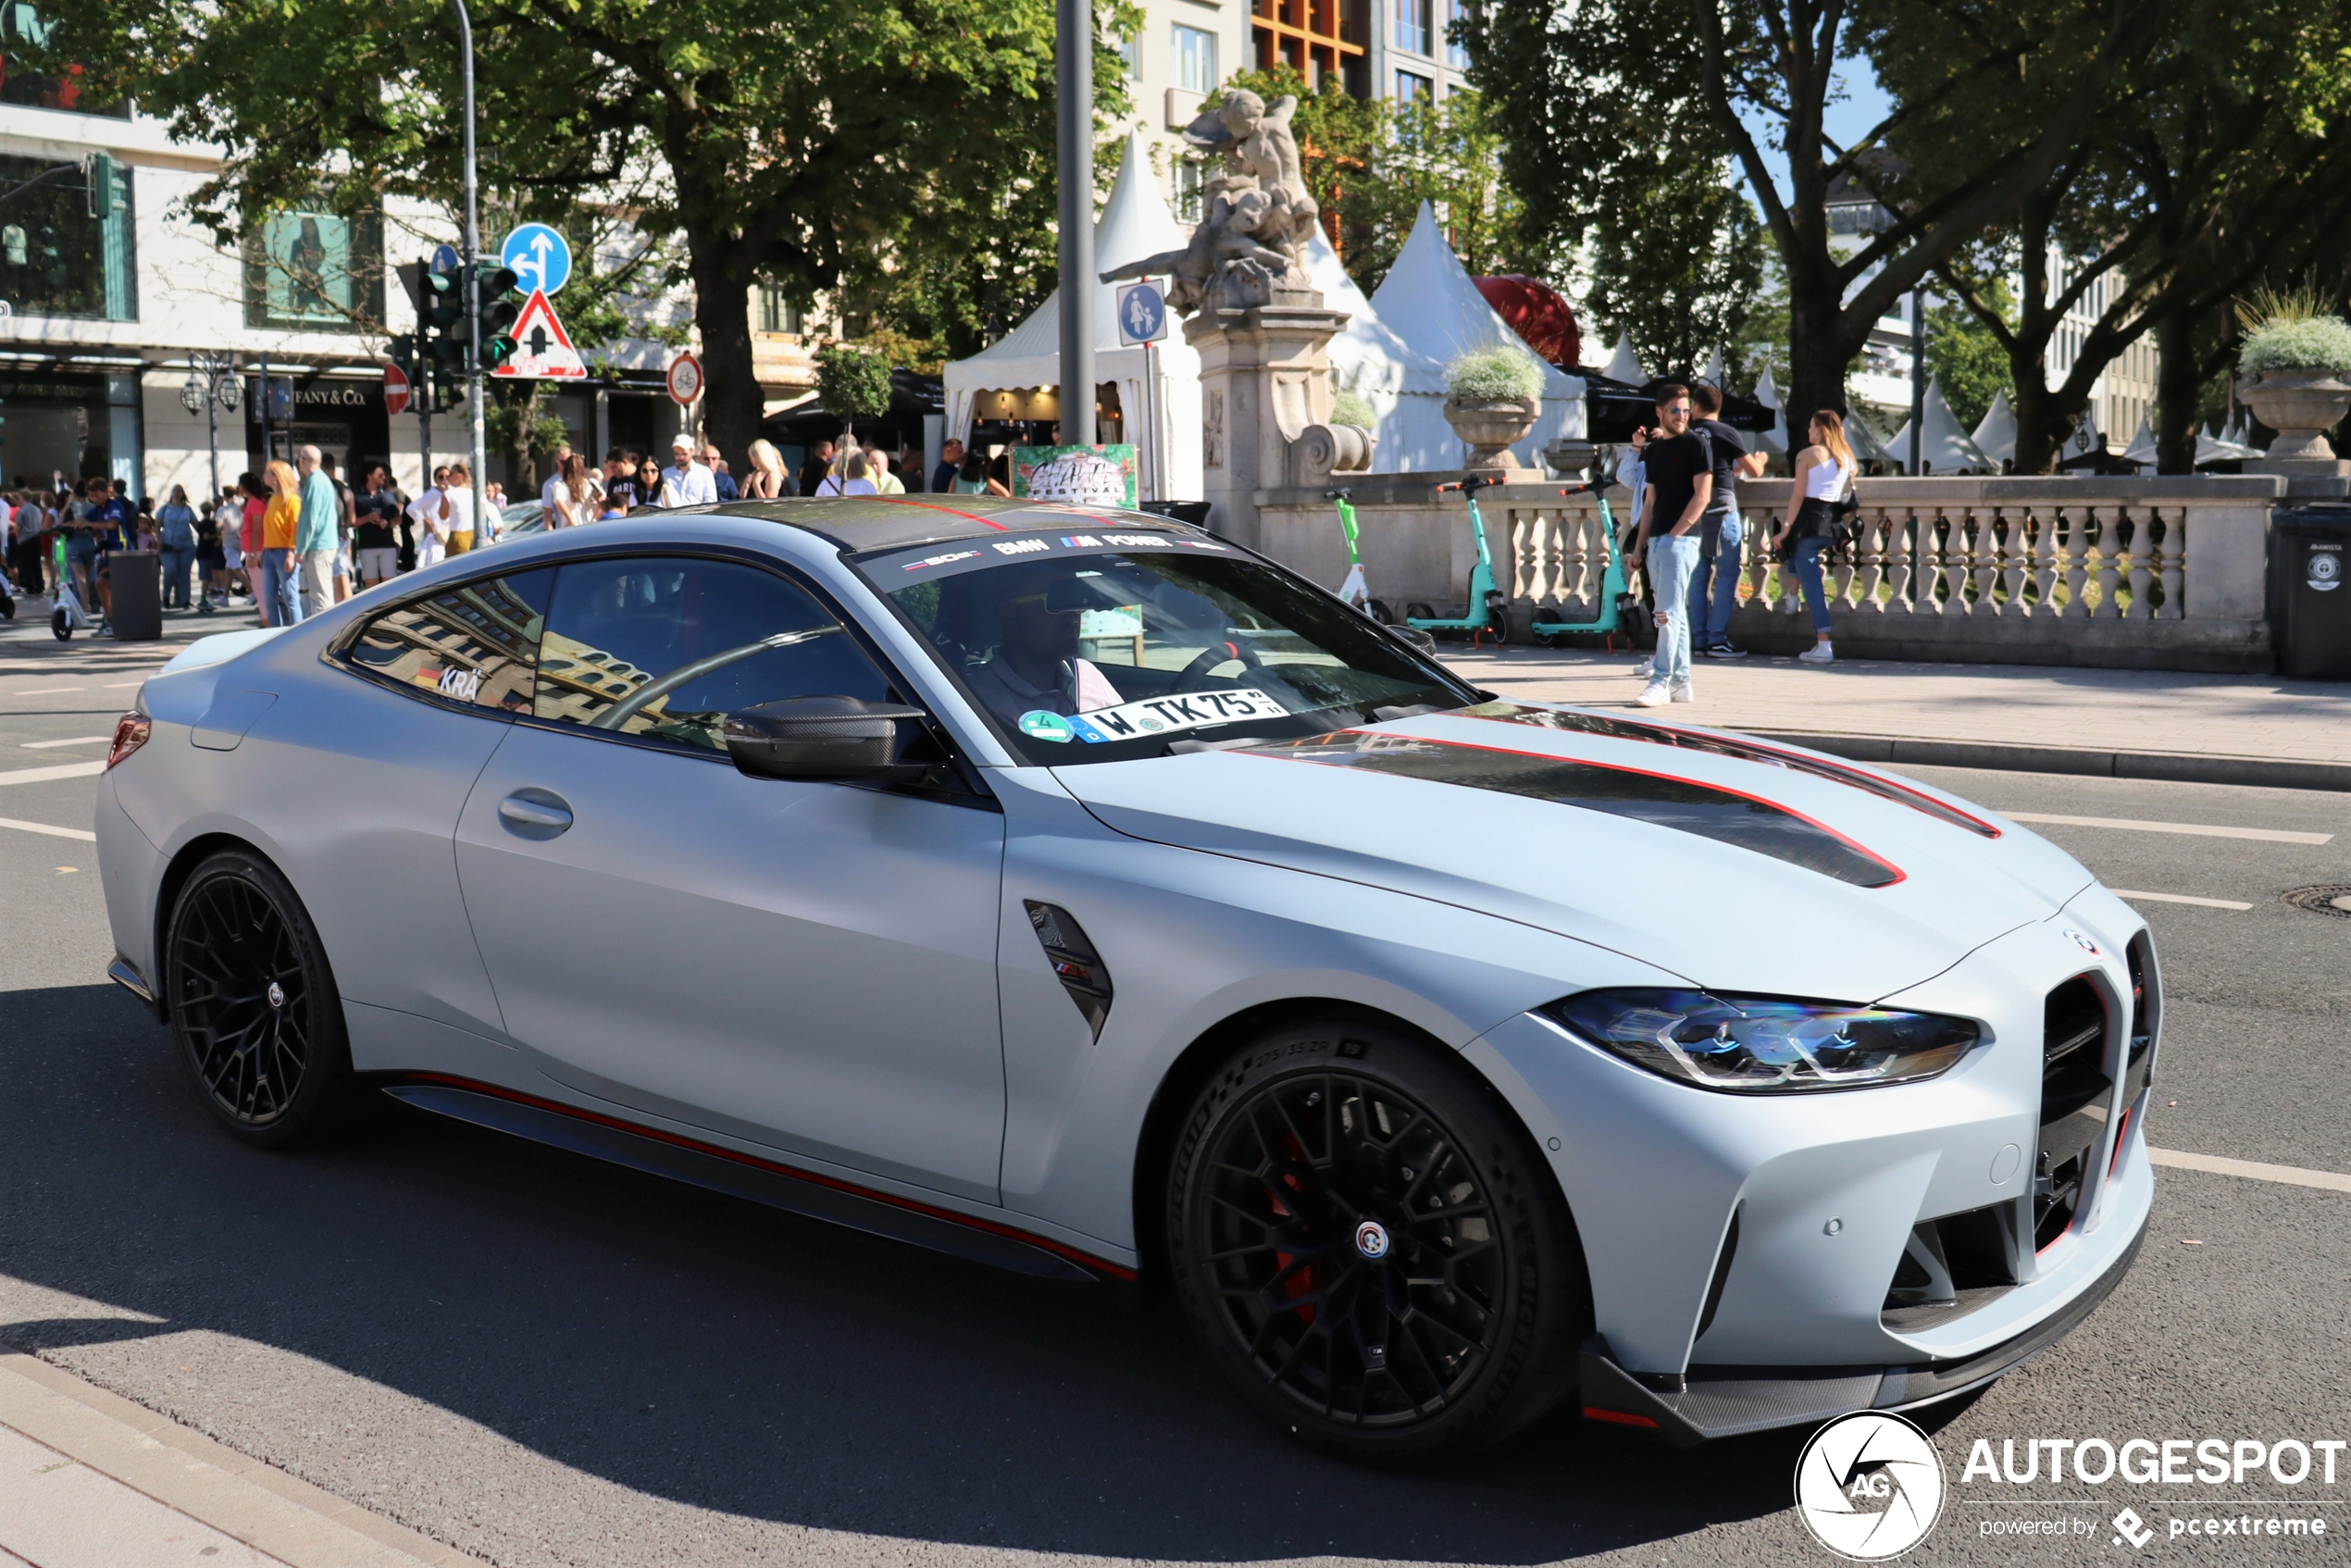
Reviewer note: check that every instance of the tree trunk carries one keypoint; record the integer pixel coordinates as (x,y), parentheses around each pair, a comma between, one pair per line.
(2178,393)
(722,314)
(1818,355)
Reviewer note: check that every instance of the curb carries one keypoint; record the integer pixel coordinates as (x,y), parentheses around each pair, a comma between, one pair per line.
(2182,767)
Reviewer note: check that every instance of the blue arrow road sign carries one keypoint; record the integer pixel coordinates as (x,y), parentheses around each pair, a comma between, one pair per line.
(538,256)
(1142,313)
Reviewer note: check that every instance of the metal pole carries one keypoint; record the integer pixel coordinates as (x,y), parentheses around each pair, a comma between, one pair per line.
(212,426)
(473,289)
(1918,377)
(1074,22)
(268,446)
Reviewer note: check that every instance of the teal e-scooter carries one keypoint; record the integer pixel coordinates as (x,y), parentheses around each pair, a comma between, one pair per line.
(1484,617)
(1613,586)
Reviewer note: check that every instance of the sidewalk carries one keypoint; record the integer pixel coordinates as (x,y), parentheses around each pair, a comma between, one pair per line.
(2139,723)
(91,1480)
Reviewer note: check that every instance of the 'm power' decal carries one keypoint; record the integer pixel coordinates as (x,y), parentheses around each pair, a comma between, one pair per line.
(1710,811)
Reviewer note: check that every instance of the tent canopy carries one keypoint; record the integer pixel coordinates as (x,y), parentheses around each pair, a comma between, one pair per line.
(1947,448)
(1625,365)
(1996,437)
(1766,393)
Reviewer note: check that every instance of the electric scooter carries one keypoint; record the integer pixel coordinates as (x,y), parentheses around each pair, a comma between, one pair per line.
(1484,617)
(67,617)
(1354,590)
(1612,582)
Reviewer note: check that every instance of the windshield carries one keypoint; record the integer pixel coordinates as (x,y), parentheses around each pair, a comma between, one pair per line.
(1099,648)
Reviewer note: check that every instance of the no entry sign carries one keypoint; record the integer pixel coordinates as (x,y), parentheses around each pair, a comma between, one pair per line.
(396,389)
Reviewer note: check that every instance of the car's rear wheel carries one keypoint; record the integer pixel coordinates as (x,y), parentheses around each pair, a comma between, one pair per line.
(253,1005)
(1371,1248)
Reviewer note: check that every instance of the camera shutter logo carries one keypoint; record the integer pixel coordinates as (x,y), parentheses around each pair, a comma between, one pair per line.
(1868,1487)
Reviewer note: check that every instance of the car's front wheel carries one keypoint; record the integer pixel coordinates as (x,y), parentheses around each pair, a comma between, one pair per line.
(1370,1246)
(254,1005)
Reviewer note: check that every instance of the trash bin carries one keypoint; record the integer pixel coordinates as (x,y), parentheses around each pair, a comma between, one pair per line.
(134,578)
(1192,512)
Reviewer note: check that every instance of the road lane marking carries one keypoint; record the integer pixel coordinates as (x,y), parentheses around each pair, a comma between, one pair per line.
(122,686)
(44,690)
(63,770)
(2267,835)
(2292,1175)
(77,740)
(82,834)
(2177,898)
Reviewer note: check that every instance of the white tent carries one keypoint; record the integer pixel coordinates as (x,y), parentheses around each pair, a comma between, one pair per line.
(1368,358)
(2142,448)
(1766,393)
(1865,441)
(1428,301)
(1713,370)
(1162,407)
(1947,448)
(1625,365)
(1996,437)
(2211,448)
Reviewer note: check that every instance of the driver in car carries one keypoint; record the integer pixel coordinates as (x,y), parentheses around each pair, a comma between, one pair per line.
(1038,611)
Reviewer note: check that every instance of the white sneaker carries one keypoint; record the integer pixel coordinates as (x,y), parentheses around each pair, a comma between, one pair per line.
(1645,670)
(1684,693)
(1818,653)
(1655,695)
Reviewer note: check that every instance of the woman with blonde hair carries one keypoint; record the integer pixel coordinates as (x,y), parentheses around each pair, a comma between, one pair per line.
(766,479)
(1824,484)
(280,519)
(579,498)
(456,509)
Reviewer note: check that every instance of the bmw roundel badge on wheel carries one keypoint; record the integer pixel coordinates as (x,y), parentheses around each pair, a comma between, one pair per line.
(1076,891)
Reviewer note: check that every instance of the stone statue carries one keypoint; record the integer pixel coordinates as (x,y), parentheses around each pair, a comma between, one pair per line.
(1255,215)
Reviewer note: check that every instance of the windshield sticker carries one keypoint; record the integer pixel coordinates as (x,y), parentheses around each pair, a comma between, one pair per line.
(1043,724)
(940,560)
(1167,715)
(1710,811)
(930,561)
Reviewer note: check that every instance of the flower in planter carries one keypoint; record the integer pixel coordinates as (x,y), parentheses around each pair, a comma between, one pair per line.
(1498,374)
(2284,329)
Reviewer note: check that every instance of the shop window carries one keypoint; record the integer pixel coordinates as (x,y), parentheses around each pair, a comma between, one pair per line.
(1195,59)
(65,244)
(1319,39)
(777,313)
(316,272)
(21,27)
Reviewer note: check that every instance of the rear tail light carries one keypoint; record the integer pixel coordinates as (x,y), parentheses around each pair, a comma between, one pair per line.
(129,733)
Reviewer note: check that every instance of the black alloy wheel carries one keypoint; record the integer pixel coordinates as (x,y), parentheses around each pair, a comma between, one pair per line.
(1371,1247)
(254,1005)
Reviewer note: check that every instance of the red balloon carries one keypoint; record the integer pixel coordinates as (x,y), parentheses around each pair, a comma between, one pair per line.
(1534,310)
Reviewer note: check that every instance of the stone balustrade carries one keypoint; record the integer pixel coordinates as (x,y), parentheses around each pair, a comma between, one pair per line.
(2162,573)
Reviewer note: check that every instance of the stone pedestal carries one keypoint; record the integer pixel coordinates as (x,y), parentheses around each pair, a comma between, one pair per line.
(2308,478)
(1264,380)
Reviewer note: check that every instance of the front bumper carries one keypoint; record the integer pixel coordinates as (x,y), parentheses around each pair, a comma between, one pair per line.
(1745,1253)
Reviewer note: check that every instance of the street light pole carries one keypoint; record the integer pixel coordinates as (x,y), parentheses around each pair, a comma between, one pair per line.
(473,286)
(1074,22)
(1918,378)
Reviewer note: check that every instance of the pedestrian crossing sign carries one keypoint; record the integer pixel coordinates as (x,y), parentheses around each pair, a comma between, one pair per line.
(543,349)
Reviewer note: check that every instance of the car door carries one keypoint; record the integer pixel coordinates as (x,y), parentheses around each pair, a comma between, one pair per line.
(808,966)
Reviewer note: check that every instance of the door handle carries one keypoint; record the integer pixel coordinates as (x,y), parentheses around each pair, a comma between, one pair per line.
(535,813)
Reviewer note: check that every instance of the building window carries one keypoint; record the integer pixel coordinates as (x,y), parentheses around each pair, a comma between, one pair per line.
(1195,59)
(1190,178)
(56,257)
(1456,52)
(1131,51)
(316,272)
(21,25)
(1412,25)
(1319,39)
(776,314)
(1414,90)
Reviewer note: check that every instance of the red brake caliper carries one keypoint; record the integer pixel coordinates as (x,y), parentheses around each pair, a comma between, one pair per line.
(1303,1282)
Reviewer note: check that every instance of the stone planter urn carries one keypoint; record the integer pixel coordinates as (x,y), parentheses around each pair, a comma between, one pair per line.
(1487,427)
(2301,405)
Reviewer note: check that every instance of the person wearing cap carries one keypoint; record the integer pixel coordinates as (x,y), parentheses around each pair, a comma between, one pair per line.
(686,482)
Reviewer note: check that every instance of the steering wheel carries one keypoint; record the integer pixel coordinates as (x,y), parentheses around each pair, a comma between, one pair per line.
(1215,653)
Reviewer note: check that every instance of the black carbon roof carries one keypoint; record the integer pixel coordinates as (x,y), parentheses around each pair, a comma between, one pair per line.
(888,522)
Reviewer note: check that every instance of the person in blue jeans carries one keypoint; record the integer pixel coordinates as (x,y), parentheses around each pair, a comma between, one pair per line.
(1823,479)
(1680,480)
(1715,589)
(177,520)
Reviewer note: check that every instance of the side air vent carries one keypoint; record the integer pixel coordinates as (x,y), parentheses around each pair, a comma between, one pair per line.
(1951,1266)
(2075,1092)
(1073,959)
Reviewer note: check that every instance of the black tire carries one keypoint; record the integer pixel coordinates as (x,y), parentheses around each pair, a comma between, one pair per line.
(1416,611)
(255,1010)
(1448,1330)
(58,627)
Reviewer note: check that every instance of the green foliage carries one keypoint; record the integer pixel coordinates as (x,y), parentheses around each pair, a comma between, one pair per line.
(1678,270)
(1353,408)
(1500,372)
(1969,359)
(518,426)
(2312,343)
(852,382)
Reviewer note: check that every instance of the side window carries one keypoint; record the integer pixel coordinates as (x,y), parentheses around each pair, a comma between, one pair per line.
(476,644)
(666,647)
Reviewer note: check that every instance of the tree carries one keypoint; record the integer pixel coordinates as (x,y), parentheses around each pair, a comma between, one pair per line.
(794,139)
(1680,270)
(1966,357)
(1595,90)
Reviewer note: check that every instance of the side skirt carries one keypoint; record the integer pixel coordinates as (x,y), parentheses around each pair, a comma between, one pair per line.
(747,1176)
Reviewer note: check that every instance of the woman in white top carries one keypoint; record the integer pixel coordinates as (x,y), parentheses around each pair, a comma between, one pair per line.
(1823,478)
(853,483)
(579,498)
(766,479)
(456,510)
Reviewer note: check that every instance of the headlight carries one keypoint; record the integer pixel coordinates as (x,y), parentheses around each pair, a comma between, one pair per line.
(1765,1044)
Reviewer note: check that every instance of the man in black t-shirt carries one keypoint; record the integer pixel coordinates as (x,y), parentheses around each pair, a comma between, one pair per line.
(1714,591)
(1681,482)
(374,519)
(622,495)
(819,463)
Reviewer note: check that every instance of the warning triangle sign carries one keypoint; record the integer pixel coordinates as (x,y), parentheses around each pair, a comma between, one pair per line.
(543,349)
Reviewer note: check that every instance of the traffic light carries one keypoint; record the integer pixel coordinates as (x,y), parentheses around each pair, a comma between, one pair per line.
(403,350)
(108,185)
(497,312)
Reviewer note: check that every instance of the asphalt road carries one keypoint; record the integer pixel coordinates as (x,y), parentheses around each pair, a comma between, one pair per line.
(544,1360)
